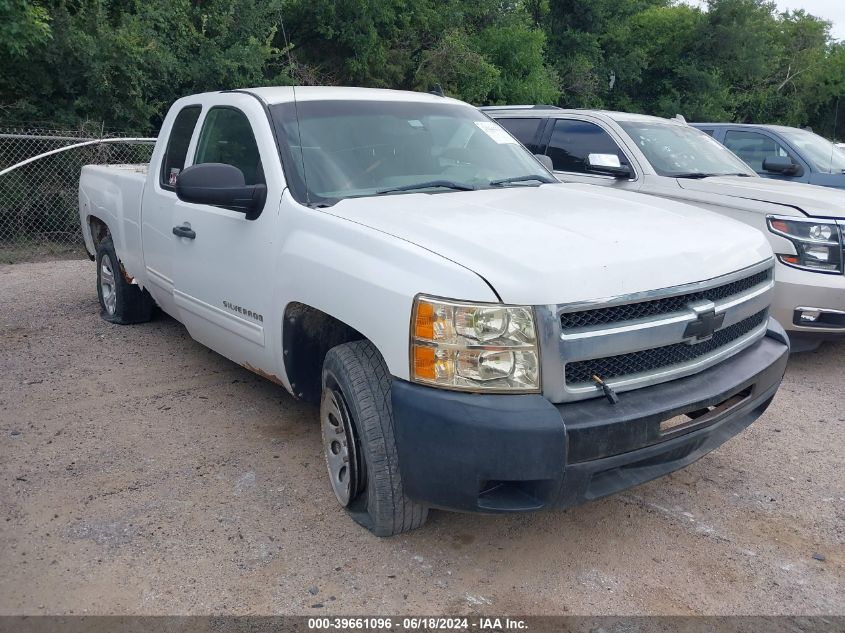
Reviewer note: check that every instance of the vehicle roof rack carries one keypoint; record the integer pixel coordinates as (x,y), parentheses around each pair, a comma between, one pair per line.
(521,107)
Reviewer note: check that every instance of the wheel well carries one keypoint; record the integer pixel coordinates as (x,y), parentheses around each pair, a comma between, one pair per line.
(99,230)
(307,336)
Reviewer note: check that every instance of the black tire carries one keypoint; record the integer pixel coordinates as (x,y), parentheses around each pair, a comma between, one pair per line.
(124,303)
(379,503)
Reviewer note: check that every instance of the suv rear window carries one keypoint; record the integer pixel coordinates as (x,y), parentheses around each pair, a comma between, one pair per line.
(525,130)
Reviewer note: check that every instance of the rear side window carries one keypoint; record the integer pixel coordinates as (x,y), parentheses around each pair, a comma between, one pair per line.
(753,147)
(708,131)
(177,145)
(227,138)
(573,141)
(525,130)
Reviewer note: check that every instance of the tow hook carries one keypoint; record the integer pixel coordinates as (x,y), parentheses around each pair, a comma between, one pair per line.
(609,393)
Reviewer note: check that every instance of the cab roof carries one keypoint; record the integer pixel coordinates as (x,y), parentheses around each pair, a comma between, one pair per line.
(765,126)
(284,94)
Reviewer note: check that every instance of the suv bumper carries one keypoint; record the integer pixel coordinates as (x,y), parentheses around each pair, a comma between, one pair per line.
(507,453)
(800,288)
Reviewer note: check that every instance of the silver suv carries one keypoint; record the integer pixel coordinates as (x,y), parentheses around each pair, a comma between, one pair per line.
(668,158)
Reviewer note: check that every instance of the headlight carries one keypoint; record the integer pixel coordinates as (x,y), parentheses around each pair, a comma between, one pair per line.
(474,347)
(818,243)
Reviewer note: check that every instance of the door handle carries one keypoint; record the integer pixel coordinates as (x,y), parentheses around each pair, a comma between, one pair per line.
(184,231)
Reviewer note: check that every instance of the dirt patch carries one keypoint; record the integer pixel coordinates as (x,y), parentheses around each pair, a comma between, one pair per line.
(141,473)
(14,253)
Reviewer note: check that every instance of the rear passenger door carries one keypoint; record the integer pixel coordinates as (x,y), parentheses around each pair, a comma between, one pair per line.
(569,141)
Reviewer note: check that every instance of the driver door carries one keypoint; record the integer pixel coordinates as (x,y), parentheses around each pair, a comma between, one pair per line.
(223,264)
(755,147)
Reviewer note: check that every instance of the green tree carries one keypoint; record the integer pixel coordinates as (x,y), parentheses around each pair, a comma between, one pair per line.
(655,59)
(517,51)
(23,25)
(123,62)
(458,68)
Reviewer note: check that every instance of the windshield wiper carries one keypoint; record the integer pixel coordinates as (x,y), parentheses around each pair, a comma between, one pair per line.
(695,174)
(703,174)
(445,184)
(504,181)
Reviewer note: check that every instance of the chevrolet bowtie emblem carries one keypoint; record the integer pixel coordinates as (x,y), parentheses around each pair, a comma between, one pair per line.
(705,324)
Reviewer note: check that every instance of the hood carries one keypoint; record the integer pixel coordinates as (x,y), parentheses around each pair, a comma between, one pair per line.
(811,199)
(562,243)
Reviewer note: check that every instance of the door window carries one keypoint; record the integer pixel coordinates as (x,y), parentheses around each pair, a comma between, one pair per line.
(525,130)
(177,145)
(227,138)
(753,147)
(572,141)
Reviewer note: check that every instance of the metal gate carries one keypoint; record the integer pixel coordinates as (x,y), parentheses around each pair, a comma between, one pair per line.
(39,180)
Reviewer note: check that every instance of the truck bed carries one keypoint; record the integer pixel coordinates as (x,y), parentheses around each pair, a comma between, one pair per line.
(113,193)
(138,168)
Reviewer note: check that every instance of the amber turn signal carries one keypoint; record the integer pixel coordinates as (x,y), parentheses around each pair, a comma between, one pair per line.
(424,322)
(424,360)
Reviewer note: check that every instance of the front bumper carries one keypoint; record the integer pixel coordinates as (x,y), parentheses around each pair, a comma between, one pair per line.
(506,453)
(801,288)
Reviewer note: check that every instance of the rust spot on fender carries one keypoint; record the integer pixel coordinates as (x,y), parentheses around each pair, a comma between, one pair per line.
(263,374)
(129,278)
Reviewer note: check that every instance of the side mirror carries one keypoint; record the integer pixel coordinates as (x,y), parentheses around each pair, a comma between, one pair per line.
(545,161)
(220,185)
(609,165)
(782,165)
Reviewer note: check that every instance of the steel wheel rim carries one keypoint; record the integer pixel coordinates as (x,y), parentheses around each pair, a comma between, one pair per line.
(338,446)
(107,284)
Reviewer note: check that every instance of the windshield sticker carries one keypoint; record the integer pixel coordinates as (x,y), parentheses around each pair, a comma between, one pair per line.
(495,132)
(415,123)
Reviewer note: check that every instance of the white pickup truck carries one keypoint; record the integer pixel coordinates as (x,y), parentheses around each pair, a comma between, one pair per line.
(479,337)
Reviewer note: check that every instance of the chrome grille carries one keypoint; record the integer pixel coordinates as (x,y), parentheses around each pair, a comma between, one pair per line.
(642,339)
(667,305)
(660,357)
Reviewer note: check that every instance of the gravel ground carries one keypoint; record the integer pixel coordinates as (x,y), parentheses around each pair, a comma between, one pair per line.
(141,473)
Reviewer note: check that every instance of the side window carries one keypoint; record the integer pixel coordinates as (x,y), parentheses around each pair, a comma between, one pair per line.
(227,137)
(572,141)
(708,131)
(753,147)
(177,145)
(525,130)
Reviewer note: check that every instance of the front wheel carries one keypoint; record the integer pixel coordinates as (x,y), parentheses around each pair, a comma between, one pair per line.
(356,419)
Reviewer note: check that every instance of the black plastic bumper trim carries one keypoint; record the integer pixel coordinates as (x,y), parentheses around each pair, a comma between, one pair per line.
(500,453)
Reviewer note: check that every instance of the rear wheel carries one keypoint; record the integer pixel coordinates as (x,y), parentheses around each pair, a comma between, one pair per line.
(356,418)
(120,301)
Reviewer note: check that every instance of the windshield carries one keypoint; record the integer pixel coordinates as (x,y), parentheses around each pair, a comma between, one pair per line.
(818,151)
(344,149)
(682,151)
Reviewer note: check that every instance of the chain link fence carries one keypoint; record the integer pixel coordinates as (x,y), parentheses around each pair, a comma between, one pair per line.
(39,215)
